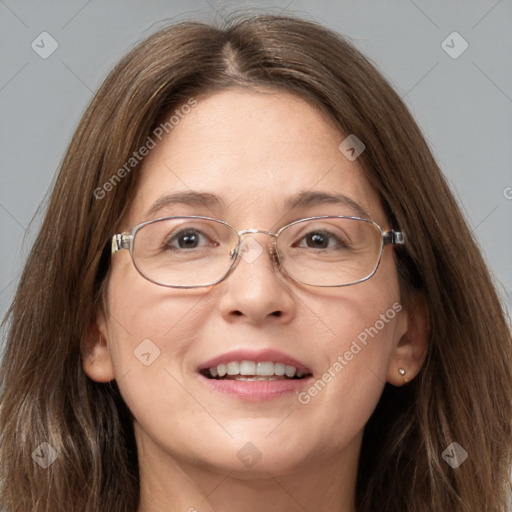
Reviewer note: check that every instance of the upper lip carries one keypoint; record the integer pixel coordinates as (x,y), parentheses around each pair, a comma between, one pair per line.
(265,355)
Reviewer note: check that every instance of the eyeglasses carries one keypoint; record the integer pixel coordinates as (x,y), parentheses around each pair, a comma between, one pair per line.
(195,251)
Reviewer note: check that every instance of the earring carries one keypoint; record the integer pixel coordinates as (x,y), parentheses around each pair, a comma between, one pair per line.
(401,371)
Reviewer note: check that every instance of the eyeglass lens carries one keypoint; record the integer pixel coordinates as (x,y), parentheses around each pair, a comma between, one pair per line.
(331,251)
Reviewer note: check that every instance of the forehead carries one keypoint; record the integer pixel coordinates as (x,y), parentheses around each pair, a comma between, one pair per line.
(254,151)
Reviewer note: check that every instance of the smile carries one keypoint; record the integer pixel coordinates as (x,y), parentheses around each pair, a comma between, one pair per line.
(251,375)
(253,371)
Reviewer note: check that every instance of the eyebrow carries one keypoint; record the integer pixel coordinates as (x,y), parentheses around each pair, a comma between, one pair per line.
(310,198)
(190,198)
(213,202)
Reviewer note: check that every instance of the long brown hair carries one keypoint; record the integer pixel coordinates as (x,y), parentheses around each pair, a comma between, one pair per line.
(463,393)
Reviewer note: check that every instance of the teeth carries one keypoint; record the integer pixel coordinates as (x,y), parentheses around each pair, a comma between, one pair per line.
(290,371)
(247,368)
(257,377)
(233,368)
(265,369)
(279,368)
(255,370)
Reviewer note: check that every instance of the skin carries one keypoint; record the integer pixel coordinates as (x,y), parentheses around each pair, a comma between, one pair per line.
(253,149)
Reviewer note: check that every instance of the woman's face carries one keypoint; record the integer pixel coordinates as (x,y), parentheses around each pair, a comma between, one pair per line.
(254,151)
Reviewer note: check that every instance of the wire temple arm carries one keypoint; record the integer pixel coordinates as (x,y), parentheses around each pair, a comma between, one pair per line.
(393,237)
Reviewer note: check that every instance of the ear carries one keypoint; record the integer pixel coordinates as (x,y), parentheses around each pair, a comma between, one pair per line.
(411,349)
(96,360)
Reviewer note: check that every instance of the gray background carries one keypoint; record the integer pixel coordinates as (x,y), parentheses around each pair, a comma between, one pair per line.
(463,104)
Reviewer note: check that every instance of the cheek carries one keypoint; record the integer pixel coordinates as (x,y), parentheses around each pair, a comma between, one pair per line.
(140,309)
(340,401)
(364,314)
(150,329)
(365,324)
(359,353)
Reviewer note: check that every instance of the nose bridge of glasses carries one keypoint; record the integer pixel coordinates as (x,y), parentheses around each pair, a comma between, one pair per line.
(249,248)
(254,231)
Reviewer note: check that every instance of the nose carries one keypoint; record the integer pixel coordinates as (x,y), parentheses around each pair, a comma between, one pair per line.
(256,291)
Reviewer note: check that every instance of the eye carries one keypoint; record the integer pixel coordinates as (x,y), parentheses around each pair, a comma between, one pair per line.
(322,239)
(186,239)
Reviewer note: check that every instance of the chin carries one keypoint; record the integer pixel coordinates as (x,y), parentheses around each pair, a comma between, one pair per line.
(254,460)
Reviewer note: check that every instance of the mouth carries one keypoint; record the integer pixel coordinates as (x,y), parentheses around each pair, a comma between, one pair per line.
(254,376)
(251,371)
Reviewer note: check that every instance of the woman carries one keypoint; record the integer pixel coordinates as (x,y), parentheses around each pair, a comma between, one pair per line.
(253,290)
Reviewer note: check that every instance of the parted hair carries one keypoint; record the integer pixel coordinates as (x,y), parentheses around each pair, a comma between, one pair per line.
(463,393)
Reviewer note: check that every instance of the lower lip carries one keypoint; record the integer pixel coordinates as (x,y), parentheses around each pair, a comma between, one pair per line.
(256,390)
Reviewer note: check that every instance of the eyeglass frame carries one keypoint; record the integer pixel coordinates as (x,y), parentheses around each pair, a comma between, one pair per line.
(125,241)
